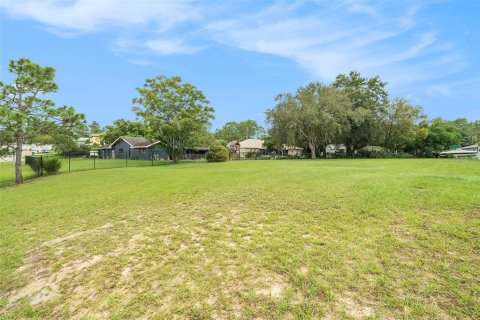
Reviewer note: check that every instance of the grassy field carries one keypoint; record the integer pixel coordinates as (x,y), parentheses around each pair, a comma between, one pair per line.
(296,239)
(7,170)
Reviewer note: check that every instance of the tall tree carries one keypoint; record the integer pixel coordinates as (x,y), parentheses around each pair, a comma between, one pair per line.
(398,123)
(369,98)
(177,113)
(24,115)
(122,127)
(314,116)
(440,135)
(242,130)
(94,127)
(473,132)
(470,130)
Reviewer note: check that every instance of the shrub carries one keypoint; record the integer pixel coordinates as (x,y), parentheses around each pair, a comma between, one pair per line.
(72,149)
(250,155)
(51,165)
(253,154)
(217,154)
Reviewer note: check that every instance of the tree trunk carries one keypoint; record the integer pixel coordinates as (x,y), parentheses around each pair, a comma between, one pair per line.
(175,156)
(18,158)
(349,150)
(312,149)
(324,151)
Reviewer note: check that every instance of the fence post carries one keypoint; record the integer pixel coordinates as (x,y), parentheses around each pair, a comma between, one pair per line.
(126,157)
(41,165)
(152,158)
(94,162)
(69,163)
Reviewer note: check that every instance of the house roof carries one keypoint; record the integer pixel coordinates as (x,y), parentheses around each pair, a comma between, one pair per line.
(459,151)
(252,144)
(473,149)
(134,142)
(103,147)
(232,143)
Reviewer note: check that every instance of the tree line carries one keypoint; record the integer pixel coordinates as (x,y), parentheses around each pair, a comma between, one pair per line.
(357,112)
(354,111)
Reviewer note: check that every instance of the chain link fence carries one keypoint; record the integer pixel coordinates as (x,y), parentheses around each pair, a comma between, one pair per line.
(83,163)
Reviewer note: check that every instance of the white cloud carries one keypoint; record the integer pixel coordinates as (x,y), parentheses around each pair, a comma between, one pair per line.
(160,46)
(84,16)
(171,46)
(455,89)
(331,38)
(323,37)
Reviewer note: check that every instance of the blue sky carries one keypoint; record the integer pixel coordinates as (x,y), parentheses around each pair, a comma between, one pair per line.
(241,54)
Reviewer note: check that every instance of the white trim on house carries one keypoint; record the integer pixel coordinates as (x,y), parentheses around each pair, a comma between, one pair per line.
(467,151)
(111,144)
(151,144)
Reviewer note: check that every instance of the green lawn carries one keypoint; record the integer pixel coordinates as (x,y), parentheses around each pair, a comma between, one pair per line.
(7,173)
(279,239)
(7,169)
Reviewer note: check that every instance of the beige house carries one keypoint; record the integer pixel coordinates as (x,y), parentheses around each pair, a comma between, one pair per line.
(252,145)
(94,139)
(243,149)
(293,151)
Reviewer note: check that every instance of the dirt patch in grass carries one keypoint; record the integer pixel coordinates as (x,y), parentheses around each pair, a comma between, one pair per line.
(353,307)
(473,214)
(275,290)
(45,284)
(402,234)
(74,235)
(42,282)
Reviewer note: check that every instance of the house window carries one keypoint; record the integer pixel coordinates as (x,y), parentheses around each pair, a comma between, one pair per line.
(142,150)
(120,150)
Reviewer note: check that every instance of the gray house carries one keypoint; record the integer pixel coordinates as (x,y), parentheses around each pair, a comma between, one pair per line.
(137,148)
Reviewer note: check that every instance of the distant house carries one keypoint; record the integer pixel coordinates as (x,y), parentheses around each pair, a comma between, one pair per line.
(245,148)
(103,152)
(94,138)
(196,153)
(292,151)
(335,148)
(139,148)
(234,149)
(133,148)
(82,140)
(252,145)
(462,152)
(27,150)
(242,149)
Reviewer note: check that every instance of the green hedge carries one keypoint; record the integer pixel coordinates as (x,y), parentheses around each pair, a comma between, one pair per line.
(217,154)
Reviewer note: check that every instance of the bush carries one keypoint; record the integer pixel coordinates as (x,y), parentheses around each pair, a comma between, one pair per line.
(217,154)
(72,149)
(250,155)
(51,165)
(253,154)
